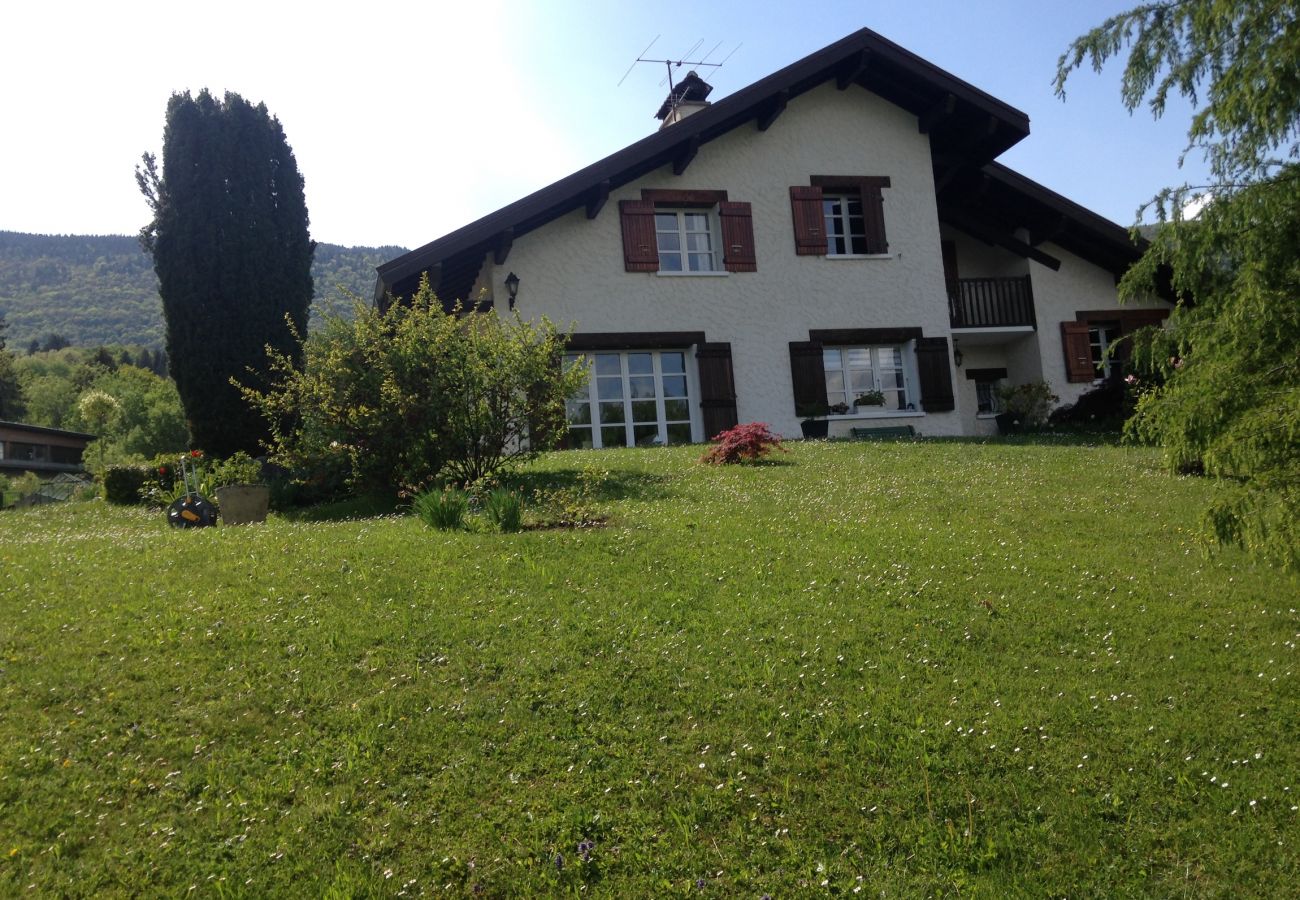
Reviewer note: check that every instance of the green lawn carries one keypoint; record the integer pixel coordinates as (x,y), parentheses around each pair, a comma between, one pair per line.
(915,668)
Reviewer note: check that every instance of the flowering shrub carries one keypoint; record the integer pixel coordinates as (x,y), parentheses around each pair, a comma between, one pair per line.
(744,443)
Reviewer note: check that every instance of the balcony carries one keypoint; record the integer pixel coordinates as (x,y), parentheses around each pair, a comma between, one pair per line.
(991,303)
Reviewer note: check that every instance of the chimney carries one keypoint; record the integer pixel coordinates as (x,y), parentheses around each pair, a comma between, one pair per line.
(686,98)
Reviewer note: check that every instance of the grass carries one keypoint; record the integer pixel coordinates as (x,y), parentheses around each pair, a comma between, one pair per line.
(909,668)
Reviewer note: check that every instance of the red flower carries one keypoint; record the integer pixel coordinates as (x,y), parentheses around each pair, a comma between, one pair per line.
(196,453)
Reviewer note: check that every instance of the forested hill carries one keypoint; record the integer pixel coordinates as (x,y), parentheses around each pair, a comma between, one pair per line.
(102,290)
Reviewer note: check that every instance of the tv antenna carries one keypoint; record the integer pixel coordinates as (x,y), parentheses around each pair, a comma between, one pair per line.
(671,64)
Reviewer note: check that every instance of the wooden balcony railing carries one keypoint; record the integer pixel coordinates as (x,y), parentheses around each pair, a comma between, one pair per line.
(990,302)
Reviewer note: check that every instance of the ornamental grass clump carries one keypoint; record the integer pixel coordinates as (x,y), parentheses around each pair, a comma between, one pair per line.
(504,509)
(744,443)
(442,509)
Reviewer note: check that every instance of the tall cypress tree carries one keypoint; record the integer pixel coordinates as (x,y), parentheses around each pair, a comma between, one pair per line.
(230,245)
(11,394)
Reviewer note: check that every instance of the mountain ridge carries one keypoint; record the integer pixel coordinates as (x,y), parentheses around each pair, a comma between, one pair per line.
(101,289)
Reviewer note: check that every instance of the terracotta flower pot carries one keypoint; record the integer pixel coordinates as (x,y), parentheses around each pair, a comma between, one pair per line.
(243,504)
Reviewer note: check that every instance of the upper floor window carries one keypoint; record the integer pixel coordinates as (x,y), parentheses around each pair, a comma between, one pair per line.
(840,215)
(846,231)
(685,240)
(688,232)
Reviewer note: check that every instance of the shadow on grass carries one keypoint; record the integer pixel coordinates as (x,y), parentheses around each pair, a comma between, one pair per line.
(1052,438)
(366,507)
(617,485)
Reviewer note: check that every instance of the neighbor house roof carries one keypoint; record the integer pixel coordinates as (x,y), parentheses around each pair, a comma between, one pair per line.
(967,129)
(43,431)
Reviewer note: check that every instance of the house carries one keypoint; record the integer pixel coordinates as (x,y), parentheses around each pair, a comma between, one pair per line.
(35,448)
(838,228)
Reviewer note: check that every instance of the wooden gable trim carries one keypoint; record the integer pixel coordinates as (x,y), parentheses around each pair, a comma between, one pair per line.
(505,241)
(686,154)
(833,336)
(774,110)
(985,374)
(856,68)
(597,199)
(688,197)
(592,341)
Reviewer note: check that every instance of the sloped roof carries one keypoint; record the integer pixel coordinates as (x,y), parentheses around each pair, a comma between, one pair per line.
(963,122)
(968,129)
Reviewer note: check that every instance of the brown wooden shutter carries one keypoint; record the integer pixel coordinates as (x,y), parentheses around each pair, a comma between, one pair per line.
(808,374)
(1078,352)
(738,237)
(934,367)
(717,388)
(640,251)
(873,215)
(809,224)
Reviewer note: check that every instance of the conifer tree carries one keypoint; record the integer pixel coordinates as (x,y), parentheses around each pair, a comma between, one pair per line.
(11,395)
(230,244)
(1226,372)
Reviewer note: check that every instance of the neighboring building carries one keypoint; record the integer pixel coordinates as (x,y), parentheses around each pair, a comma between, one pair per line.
(837,228)
(45,451)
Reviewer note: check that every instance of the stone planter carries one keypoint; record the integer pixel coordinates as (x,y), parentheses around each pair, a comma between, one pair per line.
(243,504)
(815,428)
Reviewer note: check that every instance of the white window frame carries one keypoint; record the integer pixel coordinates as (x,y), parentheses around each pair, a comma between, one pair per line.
(1099,341)
(661,420)
(995,403)
(683,252)
(907,365)
(845,220)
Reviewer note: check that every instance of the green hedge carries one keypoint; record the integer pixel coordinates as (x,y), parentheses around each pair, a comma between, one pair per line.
(122,484)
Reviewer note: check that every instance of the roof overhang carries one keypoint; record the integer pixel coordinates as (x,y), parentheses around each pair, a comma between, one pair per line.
(995,201)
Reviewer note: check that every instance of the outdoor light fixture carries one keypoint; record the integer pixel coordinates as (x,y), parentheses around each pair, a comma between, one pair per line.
(512,287)
(956,352)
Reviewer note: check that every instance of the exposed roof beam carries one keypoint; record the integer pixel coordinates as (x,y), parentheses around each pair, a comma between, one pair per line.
(973,226)
(779,100)
(596,199)
(978,135)
(688,151)
(1049,233)
(936,114)
(504,242)
(855,69)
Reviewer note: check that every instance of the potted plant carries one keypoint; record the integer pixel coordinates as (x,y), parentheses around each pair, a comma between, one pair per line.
(869,398)
(814,424)
(242,496)
(1025,407)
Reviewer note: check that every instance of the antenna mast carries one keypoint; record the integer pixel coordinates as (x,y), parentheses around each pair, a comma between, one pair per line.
(671,64)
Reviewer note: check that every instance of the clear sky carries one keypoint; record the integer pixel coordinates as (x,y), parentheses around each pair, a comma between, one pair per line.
(410,119)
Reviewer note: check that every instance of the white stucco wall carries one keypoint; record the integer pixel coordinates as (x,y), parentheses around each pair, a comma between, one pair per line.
(572,269)
(1058,297)
(976,259)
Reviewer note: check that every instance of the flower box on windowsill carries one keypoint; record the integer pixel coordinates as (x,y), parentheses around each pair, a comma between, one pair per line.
(875,412)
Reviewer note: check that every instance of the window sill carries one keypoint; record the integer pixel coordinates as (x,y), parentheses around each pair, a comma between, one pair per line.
(986,415)
(893,414)
(858,256)
(713,274)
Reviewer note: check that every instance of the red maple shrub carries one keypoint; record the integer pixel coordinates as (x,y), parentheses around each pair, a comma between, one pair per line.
(746,442)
